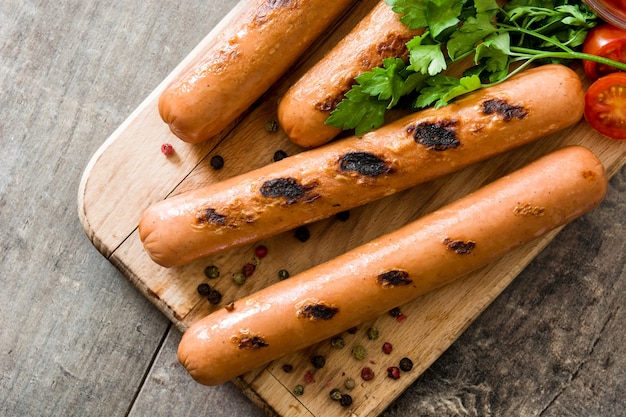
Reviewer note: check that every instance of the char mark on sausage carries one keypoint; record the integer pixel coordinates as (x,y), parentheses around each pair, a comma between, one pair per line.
(504,109)
(364,163)
(393,278)
(288,188)
(251,342)
(210,215)
(460,247)
(439,136)
(317,311)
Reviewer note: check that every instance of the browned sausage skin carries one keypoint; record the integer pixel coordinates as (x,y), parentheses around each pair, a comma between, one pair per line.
(395,268)
(303,110)
(243,62)
(318,183)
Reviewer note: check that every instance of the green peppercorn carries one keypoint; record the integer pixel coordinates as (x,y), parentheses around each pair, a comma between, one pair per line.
(335,394)
(212,271)
(346,400)
(271,126)
(349,384)
(359,352)
(298,389)
(372,333)
(337,342)
(283,274)
(406,364)
(239,278)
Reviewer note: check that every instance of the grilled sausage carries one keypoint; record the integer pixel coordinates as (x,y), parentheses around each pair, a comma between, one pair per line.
(305,107)
(321,182)
(242,63)
(395,268)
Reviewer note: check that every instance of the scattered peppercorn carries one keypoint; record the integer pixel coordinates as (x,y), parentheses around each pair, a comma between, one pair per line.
(318,361)
(335,394)
(393,372)
(372,333)
(214,297)
(308,377)
(239,278)
(167,149)
(406,364)
(346,400)
(395,312)
(401,318)
(298,390)
(283,274)
(287,367)
(212,272)
(343,215)
(271,125)
(387,348)
(352,330)
(260,251)
(367,374)
(302,234)
(349,384)
(337,342)
(217,162)
(248,269)
(278,155)
(230,306)
(204,289)
(359,352)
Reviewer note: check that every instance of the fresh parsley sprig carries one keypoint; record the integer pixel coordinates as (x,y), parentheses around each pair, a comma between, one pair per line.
(501,41)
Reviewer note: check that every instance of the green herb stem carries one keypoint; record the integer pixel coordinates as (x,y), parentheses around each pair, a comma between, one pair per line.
(537,54)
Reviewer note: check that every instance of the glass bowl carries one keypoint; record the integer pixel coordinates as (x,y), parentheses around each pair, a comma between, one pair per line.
(611,11)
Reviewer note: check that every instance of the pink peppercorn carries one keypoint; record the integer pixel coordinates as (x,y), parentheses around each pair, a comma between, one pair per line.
(248,269)
(167,149)
(260,251)
(393,372)
(387,348)
(367,374)
(308,377)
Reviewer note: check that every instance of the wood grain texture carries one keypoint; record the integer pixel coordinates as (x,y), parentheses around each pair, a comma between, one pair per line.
(77,339)
(435,320)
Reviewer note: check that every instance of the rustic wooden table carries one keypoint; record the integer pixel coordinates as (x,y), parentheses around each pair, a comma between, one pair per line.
(78,339)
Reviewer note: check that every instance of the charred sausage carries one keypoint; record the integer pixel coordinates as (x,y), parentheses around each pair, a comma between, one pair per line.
(321,182)
(243,62)
(395,268)
(305,107)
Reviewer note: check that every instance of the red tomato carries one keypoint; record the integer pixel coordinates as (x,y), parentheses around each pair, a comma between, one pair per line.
(607,41)
(605,105)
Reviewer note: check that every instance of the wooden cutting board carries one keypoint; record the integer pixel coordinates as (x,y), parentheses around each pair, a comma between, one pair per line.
(128,173)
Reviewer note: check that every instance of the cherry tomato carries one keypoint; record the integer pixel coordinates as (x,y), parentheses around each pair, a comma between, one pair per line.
(605,105)
(607,41)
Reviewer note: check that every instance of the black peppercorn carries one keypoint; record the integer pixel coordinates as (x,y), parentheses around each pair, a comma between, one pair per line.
(343,215)
(395,312)
(214,297)
(217,162)
(406,364)
(318,361)
(302,234)
(278,155)
(346,400)
(283,274)
(287,367)
(204,289)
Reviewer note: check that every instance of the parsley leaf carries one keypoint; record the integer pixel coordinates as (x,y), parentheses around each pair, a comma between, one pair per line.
(522,31)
